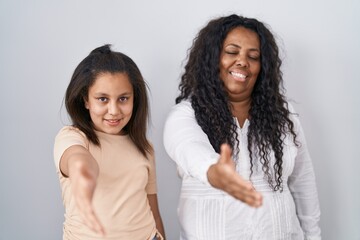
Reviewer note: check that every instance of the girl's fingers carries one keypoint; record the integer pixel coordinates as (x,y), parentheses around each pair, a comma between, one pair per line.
(91,220)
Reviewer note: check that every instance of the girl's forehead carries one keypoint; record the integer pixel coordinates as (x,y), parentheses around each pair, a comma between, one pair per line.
(111,83)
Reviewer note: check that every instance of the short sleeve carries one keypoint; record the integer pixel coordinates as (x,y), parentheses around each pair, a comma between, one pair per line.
(151,187)
(68,136)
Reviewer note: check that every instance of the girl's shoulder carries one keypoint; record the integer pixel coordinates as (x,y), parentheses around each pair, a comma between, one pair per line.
(71,133)
(71,130)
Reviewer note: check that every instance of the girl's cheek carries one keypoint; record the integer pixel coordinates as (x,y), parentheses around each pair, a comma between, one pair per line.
(99,109)
(127,109)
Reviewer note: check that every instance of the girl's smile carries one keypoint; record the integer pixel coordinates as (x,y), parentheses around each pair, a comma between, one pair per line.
(110,102)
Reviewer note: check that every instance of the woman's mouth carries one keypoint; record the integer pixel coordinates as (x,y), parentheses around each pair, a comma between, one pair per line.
(239,76)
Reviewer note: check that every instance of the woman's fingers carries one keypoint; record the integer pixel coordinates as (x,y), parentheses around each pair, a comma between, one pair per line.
(225,154)
(245,192)
(223,175)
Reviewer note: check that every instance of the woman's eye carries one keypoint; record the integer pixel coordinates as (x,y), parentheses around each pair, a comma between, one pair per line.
(254,57)
(231,52)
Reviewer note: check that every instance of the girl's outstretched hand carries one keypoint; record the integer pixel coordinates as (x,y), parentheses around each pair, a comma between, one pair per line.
(223,175)
(82,169)
(83,182)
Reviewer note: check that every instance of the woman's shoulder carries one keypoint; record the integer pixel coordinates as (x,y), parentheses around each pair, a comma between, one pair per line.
(291,108)
(182,107)
(294,116)
(180,117)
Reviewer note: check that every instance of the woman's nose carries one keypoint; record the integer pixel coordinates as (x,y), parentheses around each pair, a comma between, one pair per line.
(242,61)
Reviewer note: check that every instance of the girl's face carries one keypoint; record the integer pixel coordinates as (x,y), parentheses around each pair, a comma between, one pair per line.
(110,102)
(240,63)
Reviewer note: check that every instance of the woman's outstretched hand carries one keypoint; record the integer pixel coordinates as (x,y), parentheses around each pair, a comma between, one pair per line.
(223,175)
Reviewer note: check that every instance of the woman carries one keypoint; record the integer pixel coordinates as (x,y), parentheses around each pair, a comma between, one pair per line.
(239,147)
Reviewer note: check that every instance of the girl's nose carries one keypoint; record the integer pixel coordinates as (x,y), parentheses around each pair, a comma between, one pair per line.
(113,108)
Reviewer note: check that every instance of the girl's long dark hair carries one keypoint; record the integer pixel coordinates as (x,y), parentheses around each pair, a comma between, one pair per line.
(269,114)
(104,60)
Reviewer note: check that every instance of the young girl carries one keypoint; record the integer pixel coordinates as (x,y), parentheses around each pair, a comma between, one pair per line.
(104,161)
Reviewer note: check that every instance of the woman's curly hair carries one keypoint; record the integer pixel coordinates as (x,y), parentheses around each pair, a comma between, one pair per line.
(269,114)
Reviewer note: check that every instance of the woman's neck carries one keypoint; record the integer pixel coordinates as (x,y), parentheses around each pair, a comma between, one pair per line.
(240,110)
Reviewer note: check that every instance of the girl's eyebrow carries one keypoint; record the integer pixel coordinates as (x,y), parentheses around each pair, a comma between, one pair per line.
(105,94)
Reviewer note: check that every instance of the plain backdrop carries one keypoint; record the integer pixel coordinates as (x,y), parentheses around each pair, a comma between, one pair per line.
(43,41)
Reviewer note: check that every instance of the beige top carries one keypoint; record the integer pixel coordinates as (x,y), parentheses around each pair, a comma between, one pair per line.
(120,199)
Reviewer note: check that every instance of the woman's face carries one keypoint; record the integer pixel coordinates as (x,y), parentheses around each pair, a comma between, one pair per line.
(110,102)
(240,63)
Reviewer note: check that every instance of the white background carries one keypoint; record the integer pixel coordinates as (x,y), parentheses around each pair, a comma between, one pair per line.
(43,41)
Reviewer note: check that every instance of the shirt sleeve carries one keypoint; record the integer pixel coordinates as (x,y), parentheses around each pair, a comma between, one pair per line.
(151,187)
(187,144)
(67,137)
(302,185)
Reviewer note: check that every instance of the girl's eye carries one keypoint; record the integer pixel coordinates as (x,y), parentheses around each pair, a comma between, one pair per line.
(102,99)
(123,99)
